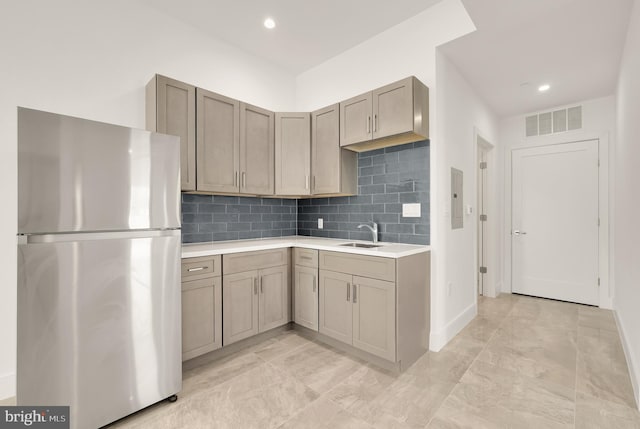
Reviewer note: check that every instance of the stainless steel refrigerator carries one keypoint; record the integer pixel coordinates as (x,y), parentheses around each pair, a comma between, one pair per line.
(98,267)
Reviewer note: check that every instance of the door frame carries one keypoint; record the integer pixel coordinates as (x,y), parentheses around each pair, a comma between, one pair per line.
(606,291)
(491,288)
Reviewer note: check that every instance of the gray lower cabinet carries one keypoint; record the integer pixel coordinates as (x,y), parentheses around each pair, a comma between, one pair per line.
(171,109)
(359,311)
(293,154)
(306,297)
(336,309)
(240,303)
(257,300)
(374,316)
(334,171)
(376,304)
(201,306)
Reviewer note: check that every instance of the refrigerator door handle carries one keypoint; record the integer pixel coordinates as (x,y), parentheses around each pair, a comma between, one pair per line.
(86,236)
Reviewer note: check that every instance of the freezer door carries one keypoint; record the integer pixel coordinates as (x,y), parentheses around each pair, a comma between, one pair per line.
(80,175)
(99,323)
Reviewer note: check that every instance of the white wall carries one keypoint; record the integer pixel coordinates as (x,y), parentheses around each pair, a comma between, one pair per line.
(406,49)
(92,59)
(627,179)
(598,122)
(461,114)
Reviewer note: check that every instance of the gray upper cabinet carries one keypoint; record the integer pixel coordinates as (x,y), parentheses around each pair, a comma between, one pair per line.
(257,158)
(334,170)
(171,109)
(218,142)
(391,115)
(355,119)
(293,154)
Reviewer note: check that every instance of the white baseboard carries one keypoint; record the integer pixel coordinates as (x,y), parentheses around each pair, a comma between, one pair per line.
(7,385)
(437,340)
(632,363)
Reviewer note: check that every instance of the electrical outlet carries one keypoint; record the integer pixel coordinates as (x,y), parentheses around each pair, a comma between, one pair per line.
(320,223)
(449,288)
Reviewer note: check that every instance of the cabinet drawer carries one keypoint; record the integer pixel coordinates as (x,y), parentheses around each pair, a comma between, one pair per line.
(247,261)
(200,268)
(374,267)
(306,257)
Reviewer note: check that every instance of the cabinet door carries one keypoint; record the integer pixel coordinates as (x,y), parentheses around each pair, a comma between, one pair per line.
(335,306)
(275,304)
(240,304)
(306,297)
(293,153)
(201,317)
(257,159)
(393,109)
(175,114)
(218,142)
(374,317)
(355,119)
(325,150)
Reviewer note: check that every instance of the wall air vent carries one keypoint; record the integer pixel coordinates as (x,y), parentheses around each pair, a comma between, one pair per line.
(557,121)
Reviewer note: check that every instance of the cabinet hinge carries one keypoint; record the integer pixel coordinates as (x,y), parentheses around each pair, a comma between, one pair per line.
(483,218)
(483,270)
(483,165)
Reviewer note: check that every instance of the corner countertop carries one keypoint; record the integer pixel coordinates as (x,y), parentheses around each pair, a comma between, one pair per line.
(386,250)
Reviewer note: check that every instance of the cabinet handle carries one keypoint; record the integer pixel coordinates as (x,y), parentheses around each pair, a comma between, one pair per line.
(255,285)
(375,122)
(235,180)
(314,285)
(306,257)
(313,186)
(355,294)
(368,124)
(244,179)
(348,292)
(197,269)
(306,182)
(261,287)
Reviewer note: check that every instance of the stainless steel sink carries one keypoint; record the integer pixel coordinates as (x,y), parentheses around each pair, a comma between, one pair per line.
(362,245)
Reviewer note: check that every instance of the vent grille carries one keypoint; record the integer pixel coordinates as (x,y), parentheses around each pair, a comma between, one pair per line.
(575,117)
(545,123)
(557,121)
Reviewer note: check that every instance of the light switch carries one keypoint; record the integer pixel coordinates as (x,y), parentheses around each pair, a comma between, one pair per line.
(320,223)
(411,210)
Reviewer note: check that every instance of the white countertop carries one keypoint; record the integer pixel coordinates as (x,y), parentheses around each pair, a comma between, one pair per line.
(387,250)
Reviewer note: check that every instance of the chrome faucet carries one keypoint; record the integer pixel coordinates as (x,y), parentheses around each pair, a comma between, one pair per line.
(374,230)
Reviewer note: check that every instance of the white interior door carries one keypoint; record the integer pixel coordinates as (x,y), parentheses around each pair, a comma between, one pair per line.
(555,222)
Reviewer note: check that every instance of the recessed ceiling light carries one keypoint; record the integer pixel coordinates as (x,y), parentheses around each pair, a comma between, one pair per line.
(269,23)
(544,88)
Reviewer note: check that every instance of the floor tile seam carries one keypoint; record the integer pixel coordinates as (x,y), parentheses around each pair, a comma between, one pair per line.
(296,348)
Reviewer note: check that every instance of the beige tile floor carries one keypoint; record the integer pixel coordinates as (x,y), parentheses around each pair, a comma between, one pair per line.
(522,363)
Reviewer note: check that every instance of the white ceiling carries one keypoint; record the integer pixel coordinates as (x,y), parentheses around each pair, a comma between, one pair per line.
(573,45)
(307,33)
